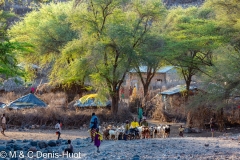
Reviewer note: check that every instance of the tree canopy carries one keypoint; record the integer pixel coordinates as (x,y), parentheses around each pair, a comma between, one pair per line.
(9,50)
(190,40)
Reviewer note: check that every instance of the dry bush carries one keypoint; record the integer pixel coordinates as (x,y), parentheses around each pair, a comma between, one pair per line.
(8,97)
(70,119)
(54,99)
(57,110)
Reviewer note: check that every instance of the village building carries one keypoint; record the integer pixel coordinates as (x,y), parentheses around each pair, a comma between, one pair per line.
(164,78)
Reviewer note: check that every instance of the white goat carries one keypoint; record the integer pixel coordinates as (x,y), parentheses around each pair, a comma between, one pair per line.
(114,133)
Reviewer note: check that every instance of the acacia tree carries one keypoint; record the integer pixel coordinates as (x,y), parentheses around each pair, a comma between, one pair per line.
(110,34)
(190,38)
(224,83)
(9,50)
(150,57)
(48,30)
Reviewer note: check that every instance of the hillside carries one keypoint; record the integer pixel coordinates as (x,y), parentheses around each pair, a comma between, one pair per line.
(25,6)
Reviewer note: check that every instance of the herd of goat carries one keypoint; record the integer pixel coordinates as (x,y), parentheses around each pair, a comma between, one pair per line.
(118,133)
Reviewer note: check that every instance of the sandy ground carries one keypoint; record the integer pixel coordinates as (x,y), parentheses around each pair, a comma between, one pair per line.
(38,134)
(42,134)
(187,148)
(193,146)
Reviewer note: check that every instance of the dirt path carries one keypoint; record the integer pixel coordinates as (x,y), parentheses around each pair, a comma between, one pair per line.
(36,134)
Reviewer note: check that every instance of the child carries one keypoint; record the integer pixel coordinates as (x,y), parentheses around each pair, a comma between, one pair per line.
(212,125)
(127,128)
(97,139)
(69,149)
(58,126)
(181,129)
(3,120)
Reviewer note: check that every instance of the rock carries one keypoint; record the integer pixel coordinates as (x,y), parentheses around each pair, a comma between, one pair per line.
(187,130)
(42,144)
(17,147)
(52,143)
(78,142)
(11,141)
(136,157)
(2,147)
(58,142)
(33,149)
(206,145)
(34,143)
(9,145)
(25,141)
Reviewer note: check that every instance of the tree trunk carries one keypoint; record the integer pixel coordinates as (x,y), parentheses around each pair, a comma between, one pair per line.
(145,89)
(188,82)
(115,98)
(189,120)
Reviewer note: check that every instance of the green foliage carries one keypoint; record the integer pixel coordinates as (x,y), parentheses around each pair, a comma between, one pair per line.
(223,84)
(9,50)
(190,39)
(111,35)
(48,30)
(228,18)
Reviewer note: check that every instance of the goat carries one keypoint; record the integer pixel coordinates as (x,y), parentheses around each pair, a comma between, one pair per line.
(152,131)
(145,132)
(105,133)
(114,133)
(166,129)
(158,131)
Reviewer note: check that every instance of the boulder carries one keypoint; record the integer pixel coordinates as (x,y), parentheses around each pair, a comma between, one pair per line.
(187,130)
(42,144)
(17,146)
(33,149)
(52,143)
(58,142)
(34,143)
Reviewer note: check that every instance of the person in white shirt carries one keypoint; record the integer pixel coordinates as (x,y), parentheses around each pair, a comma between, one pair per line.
(3,120)
(58,126)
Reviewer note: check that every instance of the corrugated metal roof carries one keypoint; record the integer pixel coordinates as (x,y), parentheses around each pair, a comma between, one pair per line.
(177,89)
(143,69)
(165,69)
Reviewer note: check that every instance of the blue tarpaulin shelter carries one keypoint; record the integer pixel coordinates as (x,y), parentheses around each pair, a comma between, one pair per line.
(29,100)
(2,104)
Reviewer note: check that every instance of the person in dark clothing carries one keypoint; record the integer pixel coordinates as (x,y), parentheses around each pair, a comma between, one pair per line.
(69,149)
(94,124)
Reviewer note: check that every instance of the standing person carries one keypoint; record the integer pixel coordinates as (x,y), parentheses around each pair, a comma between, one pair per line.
(122,93)
(134,92)
(126,132)
(32,90)
(58,126)
(181,129)
(212,125)
(94,124)
(130,91)
(3,120)
(69,148)
(144,123)
(97,139)
(140,114)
